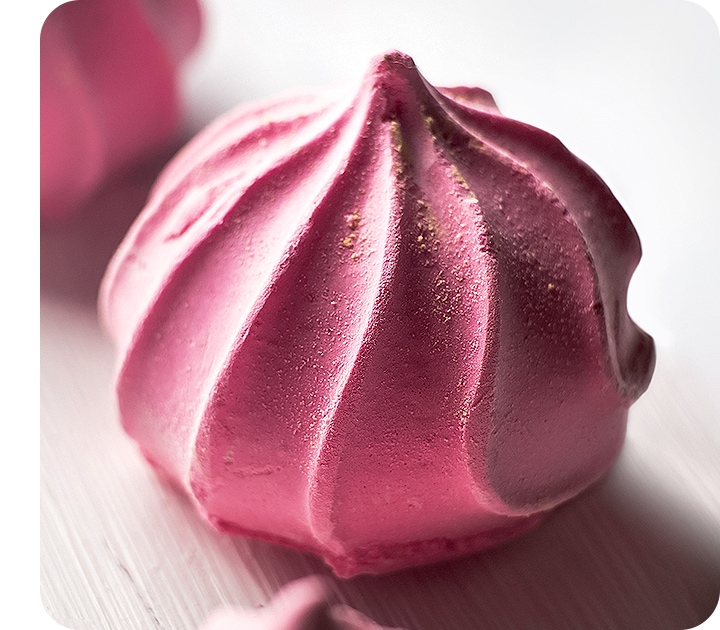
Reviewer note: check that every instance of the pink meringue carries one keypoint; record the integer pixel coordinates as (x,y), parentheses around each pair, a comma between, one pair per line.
(300,605)
(387,325)
(108,90)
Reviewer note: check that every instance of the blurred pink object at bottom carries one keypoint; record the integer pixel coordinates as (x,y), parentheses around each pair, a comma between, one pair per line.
(301,605)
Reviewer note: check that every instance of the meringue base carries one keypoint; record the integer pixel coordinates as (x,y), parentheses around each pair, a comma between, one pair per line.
(385,558)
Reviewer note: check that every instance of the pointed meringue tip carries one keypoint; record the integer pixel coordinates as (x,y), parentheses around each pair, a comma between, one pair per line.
(391,60)
(394,78)
(390,64)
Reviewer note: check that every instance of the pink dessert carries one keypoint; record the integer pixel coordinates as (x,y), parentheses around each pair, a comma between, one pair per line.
(386,324)
(108,90)
(301,605)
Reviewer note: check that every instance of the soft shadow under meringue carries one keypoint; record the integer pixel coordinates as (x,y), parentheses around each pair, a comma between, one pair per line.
(618,556)
(75,251)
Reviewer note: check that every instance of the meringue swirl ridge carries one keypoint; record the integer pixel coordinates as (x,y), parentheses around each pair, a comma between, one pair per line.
(386,324)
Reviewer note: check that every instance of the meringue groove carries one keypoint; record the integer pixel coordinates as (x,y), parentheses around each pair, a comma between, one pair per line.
(387,325)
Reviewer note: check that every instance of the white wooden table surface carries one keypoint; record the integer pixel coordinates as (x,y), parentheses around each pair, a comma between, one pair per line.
(634,89)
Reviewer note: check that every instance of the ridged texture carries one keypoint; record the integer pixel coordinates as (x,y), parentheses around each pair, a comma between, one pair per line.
(387,325)
(108,90)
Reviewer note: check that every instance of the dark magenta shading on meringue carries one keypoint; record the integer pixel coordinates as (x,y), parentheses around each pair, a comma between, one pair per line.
(386,324)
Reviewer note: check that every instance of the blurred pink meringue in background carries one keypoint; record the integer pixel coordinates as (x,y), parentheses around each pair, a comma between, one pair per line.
(301,605)
(108,90)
